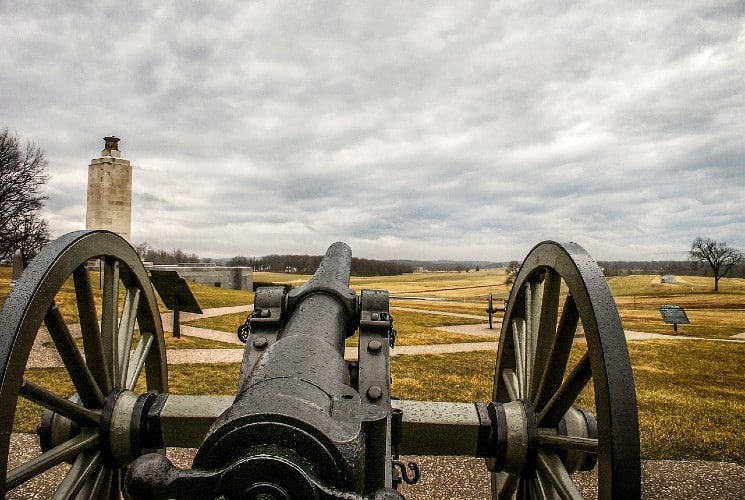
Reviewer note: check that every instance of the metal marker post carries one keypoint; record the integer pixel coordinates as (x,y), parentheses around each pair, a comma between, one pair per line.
(176,322)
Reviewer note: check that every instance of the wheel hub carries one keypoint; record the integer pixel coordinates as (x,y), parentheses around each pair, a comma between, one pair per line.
(516,438)
(54,429)
(123,426)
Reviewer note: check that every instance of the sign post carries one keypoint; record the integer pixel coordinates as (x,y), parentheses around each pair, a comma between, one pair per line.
(674,315)
(176,295)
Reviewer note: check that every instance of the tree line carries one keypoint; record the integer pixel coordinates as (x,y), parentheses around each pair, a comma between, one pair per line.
(307,264)
(165,257)
(661,267)
(299,264)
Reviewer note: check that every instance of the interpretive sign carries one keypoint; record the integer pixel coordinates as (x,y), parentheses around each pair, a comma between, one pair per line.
(176,295)
(674,315)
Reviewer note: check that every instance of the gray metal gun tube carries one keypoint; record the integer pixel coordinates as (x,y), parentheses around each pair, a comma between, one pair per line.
(296,422)
(324,306)
(296,428)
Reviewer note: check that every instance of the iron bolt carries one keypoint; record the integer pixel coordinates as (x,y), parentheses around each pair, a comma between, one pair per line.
(260,342)
(374,346)
(374,393)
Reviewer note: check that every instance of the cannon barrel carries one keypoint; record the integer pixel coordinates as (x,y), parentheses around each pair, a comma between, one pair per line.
(296,427)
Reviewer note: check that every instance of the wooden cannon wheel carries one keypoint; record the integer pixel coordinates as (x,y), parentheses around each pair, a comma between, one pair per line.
(88,428)
(565,404)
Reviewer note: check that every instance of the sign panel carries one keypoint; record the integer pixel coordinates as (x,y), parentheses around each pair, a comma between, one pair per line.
(174,291)
(675,315)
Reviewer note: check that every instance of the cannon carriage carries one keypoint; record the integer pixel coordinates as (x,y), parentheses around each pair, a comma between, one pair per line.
(305,423)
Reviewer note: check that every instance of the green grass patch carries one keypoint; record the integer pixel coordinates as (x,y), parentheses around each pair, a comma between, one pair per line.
(224,323)
(691,399)
(705,323)
(413,328)
(408,319)
(210,296)
(183,342)
(416,328)
(211,379)
(190,342)
(650,284)
(473,308)
(450,285)
(28,414)
(6,276)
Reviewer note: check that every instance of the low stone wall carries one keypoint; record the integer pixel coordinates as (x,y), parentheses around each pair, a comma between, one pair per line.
(235,278)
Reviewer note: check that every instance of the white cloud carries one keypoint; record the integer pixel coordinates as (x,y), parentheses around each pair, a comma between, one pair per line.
(408,130)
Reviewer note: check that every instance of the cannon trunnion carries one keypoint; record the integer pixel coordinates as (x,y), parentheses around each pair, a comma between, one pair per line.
(304,422)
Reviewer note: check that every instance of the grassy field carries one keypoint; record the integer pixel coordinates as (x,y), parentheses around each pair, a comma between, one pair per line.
(413,328)
(453,286)
(691,393)
(712,314)
(207,296)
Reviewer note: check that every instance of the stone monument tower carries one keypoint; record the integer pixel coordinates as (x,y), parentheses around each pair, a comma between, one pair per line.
(110,191)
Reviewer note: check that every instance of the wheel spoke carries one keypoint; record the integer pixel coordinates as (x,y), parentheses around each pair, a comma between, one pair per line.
(49,459)
(546,330)
(550,464)
(85,465)
(505,485)
(542,487)
(126,331)
(519,337)
(567,394)
(550,439)
(138,359)
(90,329)
(97,483)
(556,364)
(60,405)
(533,318)
(81,376)
(115,488)
(511,383)
(109,316)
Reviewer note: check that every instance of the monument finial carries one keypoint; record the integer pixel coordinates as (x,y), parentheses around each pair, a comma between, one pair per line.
(112,147)
(112,142)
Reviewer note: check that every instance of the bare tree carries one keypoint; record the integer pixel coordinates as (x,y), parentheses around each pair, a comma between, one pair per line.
(512,268)
(22,176)
(719,256)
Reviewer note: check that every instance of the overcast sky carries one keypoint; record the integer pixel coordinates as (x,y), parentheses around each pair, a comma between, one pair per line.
(423,130)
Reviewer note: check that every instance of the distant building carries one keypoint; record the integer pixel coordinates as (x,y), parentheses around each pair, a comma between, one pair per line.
(234,278)
(110,191)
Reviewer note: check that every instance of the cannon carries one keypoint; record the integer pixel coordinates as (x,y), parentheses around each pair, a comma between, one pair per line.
(305,423)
